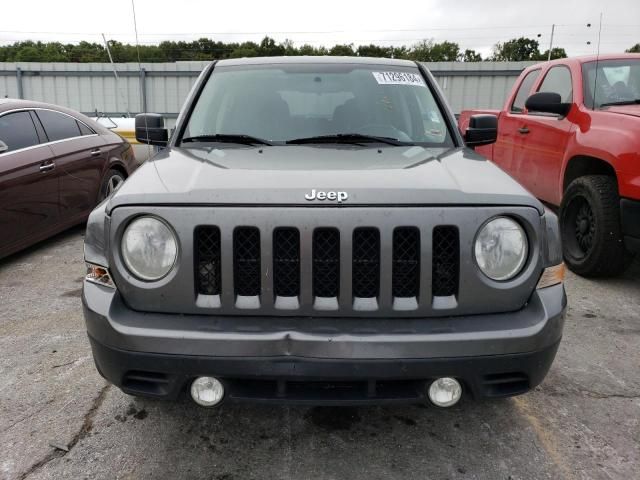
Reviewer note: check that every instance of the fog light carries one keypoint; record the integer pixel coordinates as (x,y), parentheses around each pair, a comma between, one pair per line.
(445,392)
(207,391)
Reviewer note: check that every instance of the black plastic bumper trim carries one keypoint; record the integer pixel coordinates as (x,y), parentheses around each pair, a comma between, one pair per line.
(312,381)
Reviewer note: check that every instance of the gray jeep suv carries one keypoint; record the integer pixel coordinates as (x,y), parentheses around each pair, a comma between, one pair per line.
(316,231)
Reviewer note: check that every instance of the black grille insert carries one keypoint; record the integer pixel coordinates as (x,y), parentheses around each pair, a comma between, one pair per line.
(286,262)
(446,261)
(366,262)
(207,253)
(405,278)
(326,262)
(246,261)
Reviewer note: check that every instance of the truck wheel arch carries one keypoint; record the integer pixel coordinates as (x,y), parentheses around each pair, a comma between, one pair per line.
(581,165)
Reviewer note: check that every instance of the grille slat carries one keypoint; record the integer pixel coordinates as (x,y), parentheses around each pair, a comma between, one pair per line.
(207,258)
(326,262)
(405,282)
(246,261)
(286,262)
(366,262)
(446,261)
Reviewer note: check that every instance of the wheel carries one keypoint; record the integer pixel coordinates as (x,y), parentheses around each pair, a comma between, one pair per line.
(590,227)
(110,184)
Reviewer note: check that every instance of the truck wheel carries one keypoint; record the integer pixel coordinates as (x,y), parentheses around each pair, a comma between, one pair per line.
(112,181)
(590,225)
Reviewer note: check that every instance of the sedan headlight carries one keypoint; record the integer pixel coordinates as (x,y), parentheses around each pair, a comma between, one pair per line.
(501,248)
(149,248)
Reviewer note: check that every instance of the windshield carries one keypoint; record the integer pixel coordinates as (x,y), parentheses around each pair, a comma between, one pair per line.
(281,103)
(617,81)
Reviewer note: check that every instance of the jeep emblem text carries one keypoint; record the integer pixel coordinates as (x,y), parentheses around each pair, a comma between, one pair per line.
(340,196)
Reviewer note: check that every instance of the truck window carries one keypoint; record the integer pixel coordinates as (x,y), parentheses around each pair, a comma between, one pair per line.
(523,91)
(617,81)
(558,80)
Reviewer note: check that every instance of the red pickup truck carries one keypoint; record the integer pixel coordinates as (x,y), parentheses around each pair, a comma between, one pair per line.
(570,133)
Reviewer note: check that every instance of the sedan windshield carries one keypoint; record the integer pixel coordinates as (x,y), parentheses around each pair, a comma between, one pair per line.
(319,103)
(615,82)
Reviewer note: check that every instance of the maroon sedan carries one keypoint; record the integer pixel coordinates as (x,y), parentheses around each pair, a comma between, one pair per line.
(56,165)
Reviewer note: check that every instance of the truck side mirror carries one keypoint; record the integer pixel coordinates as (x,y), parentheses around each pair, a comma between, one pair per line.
(547,102)
(3,147)
(482,130)
(150,129)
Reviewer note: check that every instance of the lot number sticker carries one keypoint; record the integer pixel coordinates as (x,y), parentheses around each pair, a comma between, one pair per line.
(399,78)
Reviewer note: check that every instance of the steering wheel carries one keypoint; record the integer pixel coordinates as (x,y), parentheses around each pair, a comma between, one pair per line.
(383,130)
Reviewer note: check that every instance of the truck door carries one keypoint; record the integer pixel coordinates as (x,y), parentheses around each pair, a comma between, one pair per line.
(507,151)
(546,139)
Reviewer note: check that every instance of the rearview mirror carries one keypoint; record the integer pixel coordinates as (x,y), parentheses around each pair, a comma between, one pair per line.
(3,147)
(150,129)
(482,130)
(547,102)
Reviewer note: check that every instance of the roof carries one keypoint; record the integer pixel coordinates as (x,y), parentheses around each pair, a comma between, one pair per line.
(318,59)
(589,58)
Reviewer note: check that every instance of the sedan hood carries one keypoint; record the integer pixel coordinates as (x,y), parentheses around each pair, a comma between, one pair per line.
(284,175)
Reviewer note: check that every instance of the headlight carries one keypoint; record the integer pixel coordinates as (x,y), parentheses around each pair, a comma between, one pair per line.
(149,248)
(501,248)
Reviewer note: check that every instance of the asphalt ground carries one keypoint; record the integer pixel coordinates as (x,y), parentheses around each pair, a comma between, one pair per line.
(583,422)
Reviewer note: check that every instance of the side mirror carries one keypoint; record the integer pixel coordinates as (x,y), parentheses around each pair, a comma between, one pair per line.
(482,130)
(3,147)
(547,102)
(150,129)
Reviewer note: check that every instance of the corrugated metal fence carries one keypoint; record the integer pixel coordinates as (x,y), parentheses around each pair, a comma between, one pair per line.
(162,87)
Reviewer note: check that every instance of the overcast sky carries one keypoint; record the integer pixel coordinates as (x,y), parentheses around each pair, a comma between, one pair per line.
(475,24)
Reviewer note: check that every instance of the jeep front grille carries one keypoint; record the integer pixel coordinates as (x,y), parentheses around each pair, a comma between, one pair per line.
(332,270)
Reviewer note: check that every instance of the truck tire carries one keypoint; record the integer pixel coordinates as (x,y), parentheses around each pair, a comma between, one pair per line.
(112,181)
(592,240)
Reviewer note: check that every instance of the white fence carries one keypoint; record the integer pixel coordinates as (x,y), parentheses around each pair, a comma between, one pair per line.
(162,87)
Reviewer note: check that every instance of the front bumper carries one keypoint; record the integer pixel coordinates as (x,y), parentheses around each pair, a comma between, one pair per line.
(323,360)
(630,218)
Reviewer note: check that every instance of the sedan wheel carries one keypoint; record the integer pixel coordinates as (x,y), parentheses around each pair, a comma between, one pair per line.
(112,182)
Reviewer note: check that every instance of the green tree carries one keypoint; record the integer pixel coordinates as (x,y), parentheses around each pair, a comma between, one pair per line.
(374,51)
(470,56)
(516,50)
(634,49)
(342,51)
(430,51)
(556,52)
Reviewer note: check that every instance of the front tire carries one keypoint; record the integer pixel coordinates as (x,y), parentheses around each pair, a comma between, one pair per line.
(590,224)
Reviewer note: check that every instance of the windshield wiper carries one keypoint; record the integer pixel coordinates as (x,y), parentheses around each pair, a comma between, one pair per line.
(621,102)
(345,138)
(228,138)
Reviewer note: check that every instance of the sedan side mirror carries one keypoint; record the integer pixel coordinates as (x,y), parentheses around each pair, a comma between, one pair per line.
(547,102)
(3,147)
(482,130)
(150,129)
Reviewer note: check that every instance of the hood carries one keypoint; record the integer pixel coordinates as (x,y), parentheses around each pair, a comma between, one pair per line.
(283,175)
(633,110)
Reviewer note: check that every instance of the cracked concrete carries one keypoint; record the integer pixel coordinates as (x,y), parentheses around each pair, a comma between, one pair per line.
(583,422)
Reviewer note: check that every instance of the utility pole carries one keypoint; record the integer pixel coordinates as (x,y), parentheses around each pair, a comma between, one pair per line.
(553,29)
